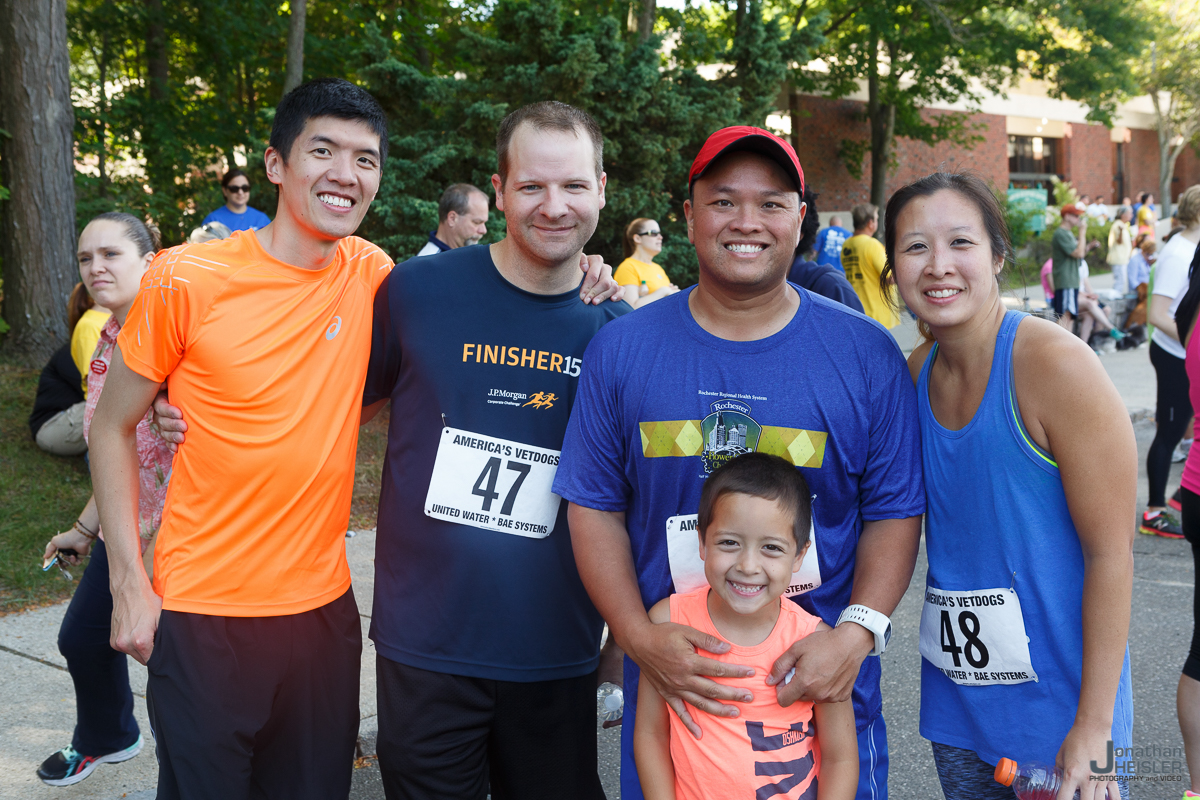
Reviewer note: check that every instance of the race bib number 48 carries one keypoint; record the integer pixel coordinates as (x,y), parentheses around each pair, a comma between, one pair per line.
(976,638)
(687,569)
(492,483)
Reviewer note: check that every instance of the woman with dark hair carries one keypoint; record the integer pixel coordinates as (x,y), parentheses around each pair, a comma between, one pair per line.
(237,214)
(114,252)
(1187,696)
(1173,406)
(643,241)
(1030,474)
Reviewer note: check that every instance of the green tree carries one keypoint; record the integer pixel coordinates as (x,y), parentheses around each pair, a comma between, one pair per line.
(910,56)
(1170,73)
(654,116)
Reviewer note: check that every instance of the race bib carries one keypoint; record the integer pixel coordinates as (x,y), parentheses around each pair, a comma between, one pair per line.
(976,638)
(493,483)
(687,568)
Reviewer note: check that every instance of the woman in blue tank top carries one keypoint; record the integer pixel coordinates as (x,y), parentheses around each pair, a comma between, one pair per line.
(1031,478)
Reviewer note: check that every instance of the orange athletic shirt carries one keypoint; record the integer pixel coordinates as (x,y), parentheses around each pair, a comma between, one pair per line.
(767,744)
(267,362)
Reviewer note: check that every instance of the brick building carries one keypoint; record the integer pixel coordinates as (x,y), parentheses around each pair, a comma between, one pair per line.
(1026,137)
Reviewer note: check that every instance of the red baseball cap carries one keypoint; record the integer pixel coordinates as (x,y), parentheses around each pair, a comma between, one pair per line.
(1071,208)
(743,138)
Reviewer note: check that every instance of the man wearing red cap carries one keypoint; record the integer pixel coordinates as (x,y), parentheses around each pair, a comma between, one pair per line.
(747,363)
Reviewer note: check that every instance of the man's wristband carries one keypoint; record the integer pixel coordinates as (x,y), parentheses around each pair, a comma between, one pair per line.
(878,624)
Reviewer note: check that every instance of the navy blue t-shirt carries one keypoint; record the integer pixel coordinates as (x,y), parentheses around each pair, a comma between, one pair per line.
(249,220)
(825,280)
(474,572)
(662,403)
(829,245)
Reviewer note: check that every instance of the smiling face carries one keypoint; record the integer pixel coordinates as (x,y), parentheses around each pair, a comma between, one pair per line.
(237,194)
(945,268)
(109,265)
(744,219)
(329,178)
(552,197)
(749,551)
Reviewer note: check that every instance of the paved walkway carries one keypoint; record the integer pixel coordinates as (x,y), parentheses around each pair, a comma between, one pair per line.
(37,714)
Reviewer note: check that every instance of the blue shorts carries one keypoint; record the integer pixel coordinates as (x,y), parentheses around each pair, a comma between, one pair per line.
(872,750)
(1066,301)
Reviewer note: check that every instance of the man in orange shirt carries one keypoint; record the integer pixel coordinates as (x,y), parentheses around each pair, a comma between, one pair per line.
(250,631)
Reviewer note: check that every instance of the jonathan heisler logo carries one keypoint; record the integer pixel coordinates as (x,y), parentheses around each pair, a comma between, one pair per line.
(1142,763)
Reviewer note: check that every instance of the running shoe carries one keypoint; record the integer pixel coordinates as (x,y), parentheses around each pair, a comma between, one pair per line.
(69,766)
(1160,523)
(1176,501)
(1189,793)
(1116,334)
(1181,451)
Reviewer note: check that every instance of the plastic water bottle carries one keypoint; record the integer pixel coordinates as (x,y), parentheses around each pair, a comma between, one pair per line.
(1031,781)
(611,702)
(643,290)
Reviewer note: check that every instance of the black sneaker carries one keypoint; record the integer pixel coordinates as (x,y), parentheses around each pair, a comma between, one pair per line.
(68,766)
(1160,523)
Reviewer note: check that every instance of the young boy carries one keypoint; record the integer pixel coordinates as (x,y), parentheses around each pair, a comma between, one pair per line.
(755,515)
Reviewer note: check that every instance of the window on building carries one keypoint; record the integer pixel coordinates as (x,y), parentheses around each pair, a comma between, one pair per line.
(1033,156)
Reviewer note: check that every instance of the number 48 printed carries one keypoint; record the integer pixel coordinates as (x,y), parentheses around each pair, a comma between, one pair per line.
(974,648)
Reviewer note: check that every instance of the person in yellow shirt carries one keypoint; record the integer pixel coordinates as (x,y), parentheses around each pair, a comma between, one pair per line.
(643,241)
(863,258)
(86,321)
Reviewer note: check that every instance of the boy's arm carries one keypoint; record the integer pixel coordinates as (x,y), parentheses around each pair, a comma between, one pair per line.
(652,732)
(836,732)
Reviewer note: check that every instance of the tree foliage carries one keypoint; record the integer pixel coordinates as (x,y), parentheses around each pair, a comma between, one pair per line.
(446,71)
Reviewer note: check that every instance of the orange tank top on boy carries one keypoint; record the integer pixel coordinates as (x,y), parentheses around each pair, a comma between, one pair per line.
(766,744)
(267,362)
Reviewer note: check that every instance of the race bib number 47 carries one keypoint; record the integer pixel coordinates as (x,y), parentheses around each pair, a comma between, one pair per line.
(492,483)
(976,638)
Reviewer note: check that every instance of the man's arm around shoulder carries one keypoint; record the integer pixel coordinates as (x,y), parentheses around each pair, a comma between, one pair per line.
(113,449)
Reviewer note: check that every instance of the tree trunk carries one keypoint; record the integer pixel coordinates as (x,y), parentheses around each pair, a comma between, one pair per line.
(647,19)
(882,117)
(295,46)
(37,223)
(158,169)
(739,15)
(156,51)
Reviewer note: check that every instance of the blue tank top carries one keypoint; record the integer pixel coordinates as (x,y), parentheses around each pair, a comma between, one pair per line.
(996,525)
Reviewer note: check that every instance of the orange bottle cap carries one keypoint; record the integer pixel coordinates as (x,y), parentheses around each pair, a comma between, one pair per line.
(1006,771)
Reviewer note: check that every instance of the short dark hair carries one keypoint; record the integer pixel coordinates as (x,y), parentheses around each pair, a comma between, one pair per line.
(548,115)
(326,97)
(863,213)
(968,186)
(457,198)
(759,475)
(812,223)
(233,173)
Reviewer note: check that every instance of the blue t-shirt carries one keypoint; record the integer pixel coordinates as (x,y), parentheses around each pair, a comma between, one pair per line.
(829,245)
(662,402)
(825,280)
(474,572)
(250,220)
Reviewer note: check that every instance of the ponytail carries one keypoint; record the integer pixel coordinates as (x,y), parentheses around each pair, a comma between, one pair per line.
(79,302)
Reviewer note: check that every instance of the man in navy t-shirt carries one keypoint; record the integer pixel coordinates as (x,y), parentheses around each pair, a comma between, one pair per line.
(236,214)
(744,362)
(823,279)
(830,241)
(488,644)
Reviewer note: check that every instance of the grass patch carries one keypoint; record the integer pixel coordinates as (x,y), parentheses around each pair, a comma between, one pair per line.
(43,494)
